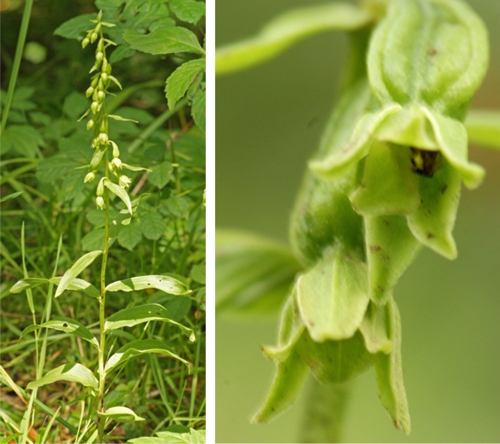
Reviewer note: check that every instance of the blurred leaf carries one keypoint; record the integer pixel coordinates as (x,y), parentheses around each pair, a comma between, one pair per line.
(129,236)
(93,240)
(120,192)
(27,283)
(179,206)
(188,11)
(75,105)
(120,53)
(198,273)
(69,372)
(178,307)
(75,270)
(23,139)
(161,174)
(79,285)
(120,414)
(178,82)
(483,128)
(164,41)
(198,109)
(11,196)
(75,26)
(138,348)
(152,225)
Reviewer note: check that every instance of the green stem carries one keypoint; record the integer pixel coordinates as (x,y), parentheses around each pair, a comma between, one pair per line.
(325,412)
(159,121)
(17,60)
(102,306)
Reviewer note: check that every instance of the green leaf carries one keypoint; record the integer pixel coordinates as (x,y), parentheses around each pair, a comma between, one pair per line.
(75,104)
(93,240)
(11,196)
(27,283)
(164,41)
(129,317)
(120,118)
(483,128)
(389,372)
(52,168)
(79,285)
(22,139)
(390,247)
(190,437)
(252,273)
(433,222)
(72,28)
(333,295)
(166,284)
(138,348)
(121,193)
(67,325)
(188,11)
(122,52)
(161,174)
(120,414)
(152,225)
(178,82)
(198,273)
(179,206)
(178,307)
(288,381)
(69,372)
(129,236)
(198,109)
(288,29)
(75,270)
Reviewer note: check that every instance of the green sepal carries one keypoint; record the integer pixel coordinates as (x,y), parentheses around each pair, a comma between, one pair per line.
(286,386)
(374,330)
(390,249)
(388,185)
(389,372)
(332,296)
(335,361)
(433,222)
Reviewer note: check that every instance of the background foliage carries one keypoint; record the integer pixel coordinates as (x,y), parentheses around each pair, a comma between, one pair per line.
(41,146)
(451,341)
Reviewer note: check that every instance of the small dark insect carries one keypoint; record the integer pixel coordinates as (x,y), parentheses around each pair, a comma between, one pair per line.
(425,162)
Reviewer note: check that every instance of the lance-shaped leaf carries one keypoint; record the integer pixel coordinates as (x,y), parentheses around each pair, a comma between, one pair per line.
(254,274)
(169,40)
(483,127)
(69,372)
(374,331)
(67,325)
(138,348)
(333,295)
(286,386)
(389,372)
(164,283)
(388,185)
(290,330)
(131,316)
(120,192)
(27,283)
(433,222)
(390,248)
(75,270)
(120,414)
(288,29)
(79,285)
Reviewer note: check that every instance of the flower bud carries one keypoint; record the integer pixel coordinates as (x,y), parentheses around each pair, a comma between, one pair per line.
(100,187)
(104,76)
(116,164)
(93,37)
(100,45)
(104,65)
(100,96)
(90,124)
(124,181)
(99,201)
(96,159)
(94,107)
(99,56)
(89,91)
(98,27)
(85,42)
(116,151)
(89,177)
(103,138)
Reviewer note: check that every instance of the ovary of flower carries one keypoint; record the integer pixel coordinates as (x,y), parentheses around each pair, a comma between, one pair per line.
(89,177)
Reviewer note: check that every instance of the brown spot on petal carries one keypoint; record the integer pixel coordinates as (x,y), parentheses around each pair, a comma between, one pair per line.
(431,235)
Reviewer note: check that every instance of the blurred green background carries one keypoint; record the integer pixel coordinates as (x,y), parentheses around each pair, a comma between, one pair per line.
(269,120)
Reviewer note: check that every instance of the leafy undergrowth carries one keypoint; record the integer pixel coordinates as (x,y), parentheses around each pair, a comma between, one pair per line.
(42,144)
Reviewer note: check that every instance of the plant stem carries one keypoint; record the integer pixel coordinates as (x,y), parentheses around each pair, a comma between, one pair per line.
(17,60)
(325,412)
(102,306)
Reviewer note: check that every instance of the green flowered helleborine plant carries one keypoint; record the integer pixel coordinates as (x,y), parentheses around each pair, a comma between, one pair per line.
(385,181)
(103,413)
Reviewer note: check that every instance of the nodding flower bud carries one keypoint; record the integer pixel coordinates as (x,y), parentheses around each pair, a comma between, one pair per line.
(99,56)
(100,45)
(103,138)
(100,188)
(116,151)
(94,81)
(116,164)
(99,201)
(104,65)
(108,69)
(100,96)
(104,76)
(93,37)
(124,181)
(98,27)
(89,91)
(94,107)
(89,177)
(85,42)
(90,124)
